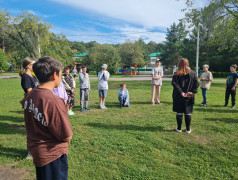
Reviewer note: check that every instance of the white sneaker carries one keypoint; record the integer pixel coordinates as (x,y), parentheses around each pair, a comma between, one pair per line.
(178,130)
(189,131)
(70,113)
(101,107)
(29,156)
(104,107)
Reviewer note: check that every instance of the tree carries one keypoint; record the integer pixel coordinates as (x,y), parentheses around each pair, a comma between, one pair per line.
(3,61)
(103,54)
(27,30)
(174,44)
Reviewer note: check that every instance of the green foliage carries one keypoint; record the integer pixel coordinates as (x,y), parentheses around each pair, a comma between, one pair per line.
(103,54)
(3,61)
(131,53)
(59,48)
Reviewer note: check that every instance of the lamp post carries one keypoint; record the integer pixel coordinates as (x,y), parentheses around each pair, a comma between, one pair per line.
(197,55)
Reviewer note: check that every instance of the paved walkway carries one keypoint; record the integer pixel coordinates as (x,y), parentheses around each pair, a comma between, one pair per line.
(134,78)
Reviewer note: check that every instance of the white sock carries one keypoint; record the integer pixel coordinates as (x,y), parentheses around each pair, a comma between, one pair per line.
(100,104)
(103,104)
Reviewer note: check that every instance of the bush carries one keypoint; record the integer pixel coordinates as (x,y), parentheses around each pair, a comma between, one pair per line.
(3,61)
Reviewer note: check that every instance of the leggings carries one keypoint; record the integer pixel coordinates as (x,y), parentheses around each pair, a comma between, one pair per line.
(179,118)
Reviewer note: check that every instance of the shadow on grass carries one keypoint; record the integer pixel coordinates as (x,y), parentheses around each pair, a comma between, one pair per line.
(126,127)
(226,120)
(206,109)
(18,112)
(11,118)
(6,128)
(12,152)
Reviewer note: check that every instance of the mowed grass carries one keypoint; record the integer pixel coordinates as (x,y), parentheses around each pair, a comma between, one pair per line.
(136,142)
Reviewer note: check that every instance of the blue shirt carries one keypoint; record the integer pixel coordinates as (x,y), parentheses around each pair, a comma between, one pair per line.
(123,93)
(231,79)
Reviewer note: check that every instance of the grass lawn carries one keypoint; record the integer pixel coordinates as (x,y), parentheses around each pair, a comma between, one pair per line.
(136,142)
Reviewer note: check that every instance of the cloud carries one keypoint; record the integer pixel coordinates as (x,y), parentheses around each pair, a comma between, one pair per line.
(148,13)
(119,35)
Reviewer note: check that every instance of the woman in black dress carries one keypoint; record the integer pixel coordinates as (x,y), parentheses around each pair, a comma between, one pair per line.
(185,85)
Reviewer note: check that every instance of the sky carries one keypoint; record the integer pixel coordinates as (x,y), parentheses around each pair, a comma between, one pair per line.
(104,21)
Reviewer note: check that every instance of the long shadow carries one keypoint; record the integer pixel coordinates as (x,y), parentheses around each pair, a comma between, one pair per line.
(226,120)
(205,109)
(11,118)
(18,112)
(12,152)
(6,128)
(126,127)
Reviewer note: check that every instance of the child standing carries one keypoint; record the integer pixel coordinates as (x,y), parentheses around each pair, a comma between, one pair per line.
(47,124)
(231,83)
(61,92)
(103,77)
(156,83)
(69,85)
(206,79)
(84,87)
(123,96)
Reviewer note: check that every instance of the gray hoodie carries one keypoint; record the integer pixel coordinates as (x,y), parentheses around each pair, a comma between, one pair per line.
(84,81)
(103,77)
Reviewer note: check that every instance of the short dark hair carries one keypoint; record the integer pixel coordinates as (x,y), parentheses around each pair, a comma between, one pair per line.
(122,84)
(66,68)
(45,67)
(234,66)
(84,67)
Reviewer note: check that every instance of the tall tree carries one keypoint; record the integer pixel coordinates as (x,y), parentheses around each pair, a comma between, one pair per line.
(103,54)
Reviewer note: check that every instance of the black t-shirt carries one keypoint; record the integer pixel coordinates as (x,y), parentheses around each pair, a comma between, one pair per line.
(28,82)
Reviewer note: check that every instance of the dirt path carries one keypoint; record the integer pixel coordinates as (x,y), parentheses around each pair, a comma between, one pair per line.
(8,172)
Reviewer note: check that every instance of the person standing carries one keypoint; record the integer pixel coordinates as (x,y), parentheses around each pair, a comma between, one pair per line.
(156,83)
(28,82)
(185,85)
(69,85)
(74,71)
(84,87)
(231,83)
(47,124)
(103,77)
(206,79)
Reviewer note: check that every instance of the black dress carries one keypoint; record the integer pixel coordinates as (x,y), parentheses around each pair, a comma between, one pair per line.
(183,84)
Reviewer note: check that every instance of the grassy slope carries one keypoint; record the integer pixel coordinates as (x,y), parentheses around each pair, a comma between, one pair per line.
(136,142)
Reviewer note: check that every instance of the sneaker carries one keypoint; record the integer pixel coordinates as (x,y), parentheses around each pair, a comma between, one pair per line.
(204,104)
(178,130)
(159,103)
(104,107)
(29,156)
(101,107)
(152,103)
(72,112)
(225,105)
(189,131)
(233,107)
(201,104)
(82,109)
(87,108)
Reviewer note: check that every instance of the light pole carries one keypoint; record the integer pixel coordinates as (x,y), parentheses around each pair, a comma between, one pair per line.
(197,55)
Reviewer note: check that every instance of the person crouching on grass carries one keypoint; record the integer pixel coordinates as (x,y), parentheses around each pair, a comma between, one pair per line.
(84,88)
(123,96)
(103,77)
(47,124)
(206,79)
(185,85)
(69,85)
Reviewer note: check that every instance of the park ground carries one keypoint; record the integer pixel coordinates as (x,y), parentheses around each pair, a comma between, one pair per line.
(131,143)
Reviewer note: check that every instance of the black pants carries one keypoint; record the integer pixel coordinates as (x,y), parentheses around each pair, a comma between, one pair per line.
(233,96)
(56,170)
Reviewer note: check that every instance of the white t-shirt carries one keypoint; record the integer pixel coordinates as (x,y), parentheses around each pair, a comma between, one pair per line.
(157,72)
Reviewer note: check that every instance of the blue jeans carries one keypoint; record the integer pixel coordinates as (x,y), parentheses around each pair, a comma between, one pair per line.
(122,101)
(57,170)
(204,94)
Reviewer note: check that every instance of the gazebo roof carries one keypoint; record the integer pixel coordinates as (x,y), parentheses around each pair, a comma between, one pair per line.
(81,54)
(154,54)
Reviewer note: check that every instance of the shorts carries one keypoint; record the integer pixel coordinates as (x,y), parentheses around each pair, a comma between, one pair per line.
(74,75)
(102,93)
(71,97)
